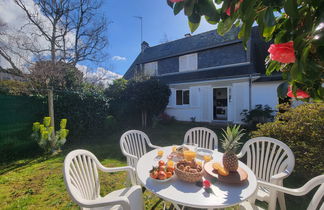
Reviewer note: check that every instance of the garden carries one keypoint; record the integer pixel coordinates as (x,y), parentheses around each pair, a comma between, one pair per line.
(94,119)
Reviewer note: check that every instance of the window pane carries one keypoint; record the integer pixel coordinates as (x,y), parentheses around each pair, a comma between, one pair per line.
(186,97)
(179,97)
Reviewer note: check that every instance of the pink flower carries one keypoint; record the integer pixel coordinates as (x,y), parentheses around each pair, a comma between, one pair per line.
(206,184)
(283,53)
(237,6)
(174,1)
(299,93)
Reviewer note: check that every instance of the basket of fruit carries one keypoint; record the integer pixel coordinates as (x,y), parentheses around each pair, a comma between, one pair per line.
(163,172)
(189,171)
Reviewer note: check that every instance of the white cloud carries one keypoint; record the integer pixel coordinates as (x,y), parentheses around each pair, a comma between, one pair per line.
(118,58)
(98,75)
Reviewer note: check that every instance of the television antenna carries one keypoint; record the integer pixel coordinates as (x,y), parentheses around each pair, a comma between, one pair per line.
(141,19)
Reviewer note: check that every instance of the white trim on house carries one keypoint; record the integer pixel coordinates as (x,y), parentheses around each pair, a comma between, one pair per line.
(238,96)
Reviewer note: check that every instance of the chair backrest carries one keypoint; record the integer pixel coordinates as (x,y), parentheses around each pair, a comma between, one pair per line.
(81,175)
(134,142)
(268,156)
(317,201)
(203,137)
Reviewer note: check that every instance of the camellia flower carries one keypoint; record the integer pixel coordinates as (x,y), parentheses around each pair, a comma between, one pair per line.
(299,93)
(237,6)
(174,1)
(206,184)
(283,52)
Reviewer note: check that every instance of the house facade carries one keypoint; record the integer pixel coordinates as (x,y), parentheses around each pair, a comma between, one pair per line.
(211,77)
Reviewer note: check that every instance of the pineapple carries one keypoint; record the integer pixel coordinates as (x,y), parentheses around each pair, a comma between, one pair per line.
(230,144)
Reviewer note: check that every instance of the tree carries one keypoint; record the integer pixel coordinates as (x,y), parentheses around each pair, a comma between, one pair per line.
(150,97)
(63,76)
(71,31)
(295,27)
(135,99)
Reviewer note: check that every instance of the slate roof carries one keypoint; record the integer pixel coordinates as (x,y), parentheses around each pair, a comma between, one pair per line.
(201,42)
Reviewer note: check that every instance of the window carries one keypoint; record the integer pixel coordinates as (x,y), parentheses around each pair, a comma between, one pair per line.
(182,97)
(150,69)
(188,62)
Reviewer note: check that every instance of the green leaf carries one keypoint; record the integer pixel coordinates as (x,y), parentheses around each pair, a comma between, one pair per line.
(268,31)
(272,67)
(189,7)
(296,72)
(212,20)
(207,7)
(291,8)
(170,4)
(178,7)
(282,90)
(218,1)
(194,21)
(225,25)
(269,18)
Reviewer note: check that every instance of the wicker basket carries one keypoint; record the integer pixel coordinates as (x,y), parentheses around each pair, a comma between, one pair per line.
(187,176)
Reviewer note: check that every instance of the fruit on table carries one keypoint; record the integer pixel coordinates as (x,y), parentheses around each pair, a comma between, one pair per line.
(161,163)
(230,144)
(220,169)
(162,171)
(162,175)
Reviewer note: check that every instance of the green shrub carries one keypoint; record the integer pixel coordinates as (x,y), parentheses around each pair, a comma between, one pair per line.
(111,123)
(87,109)
(302,129)
(260,114)
(13,87)
(43,135)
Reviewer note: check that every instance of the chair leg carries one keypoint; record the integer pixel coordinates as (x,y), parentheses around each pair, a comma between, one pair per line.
(281,199)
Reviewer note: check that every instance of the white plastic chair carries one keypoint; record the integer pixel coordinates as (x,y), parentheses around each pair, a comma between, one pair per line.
(271,160)
(317,201)
(201,136)
(133,144)
(81,179)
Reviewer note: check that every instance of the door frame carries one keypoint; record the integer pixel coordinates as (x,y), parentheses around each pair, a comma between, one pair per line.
(228,101)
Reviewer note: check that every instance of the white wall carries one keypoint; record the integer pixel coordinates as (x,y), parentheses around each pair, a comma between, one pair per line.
(201,99)
(265,93)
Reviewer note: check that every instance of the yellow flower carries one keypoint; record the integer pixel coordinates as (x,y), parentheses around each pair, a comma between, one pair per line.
(41,128)
(36,126)
(63,123)
(45,135)
(47,121)
(50,130)
(64,133)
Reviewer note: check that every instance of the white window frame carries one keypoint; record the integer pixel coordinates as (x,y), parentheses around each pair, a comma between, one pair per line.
(188,62)
(183,90)
(151,69)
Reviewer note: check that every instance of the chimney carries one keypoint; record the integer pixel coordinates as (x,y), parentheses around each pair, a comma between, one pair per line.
(187,35)
(144,45)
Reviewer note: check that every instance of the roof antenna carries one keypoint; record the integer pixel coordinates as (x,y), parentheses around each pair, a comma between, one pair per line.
(141,19)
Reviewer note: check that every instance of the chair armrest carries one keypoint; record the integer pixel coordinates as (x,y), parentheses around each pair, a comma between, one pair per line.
(106,201)
(241,154)
(278,177)
(129,155)
(153,146)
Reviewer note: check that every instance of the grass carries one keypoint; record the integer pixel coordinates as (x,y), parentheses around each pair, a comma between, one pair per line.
(37,183)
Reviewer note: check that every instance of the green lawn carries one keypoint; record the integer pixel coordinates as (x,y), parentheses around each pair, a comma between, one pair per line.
(37,183)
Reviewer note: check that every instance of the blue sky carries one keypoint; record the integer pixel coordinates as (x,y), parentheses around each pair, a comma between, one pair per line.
(124,31)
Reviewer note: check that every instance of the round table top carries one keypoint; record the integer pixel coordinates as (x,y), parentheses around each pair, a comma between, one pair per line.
(189,194)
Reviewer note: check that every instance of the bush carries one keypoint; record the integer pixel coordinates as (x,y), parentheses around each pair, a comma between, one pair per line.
(111,123)
(87,109)
(260,114)
(13,87)
(302,129)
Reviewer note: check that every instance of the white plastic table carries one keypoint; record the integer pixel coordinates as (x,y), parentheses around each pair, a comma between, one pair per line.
(189,194)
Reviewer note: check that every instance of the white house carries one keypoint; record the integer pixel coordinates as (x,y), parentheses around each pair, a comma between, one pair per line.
(211,77)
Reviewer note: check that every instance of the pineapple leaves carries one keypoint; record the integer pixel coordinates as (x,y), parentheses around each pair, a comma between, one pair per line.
(231,137)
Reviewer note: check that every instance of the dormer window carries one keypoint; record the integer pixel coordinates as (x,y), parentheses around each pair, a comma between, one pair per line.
(188,62)
(151,69)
